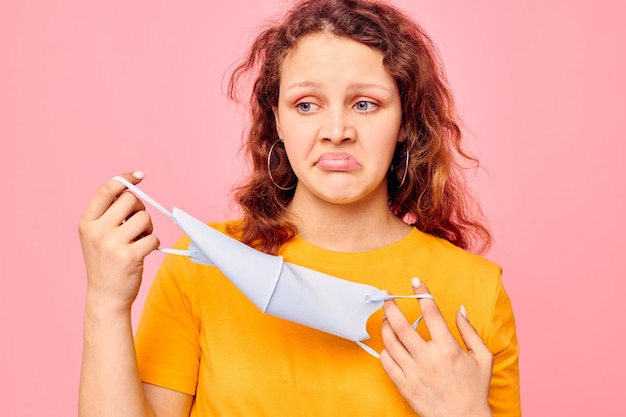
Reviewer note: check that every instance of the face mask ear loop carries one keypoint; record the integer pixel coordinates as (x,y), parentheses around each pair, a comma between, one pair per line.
(368,350)
(132,187)
(144,196)
(393,297)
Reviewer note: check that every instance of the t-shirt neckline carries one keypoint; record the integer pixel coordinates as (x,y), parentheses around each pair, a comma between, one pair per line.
(299,250)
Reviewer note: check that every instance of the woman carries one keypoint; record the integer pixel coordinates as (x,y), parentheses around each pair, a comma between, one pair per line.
(356,158)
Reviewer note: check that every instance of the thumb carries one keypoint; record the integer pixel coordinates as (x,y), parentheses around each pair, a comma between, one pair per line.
(472,340)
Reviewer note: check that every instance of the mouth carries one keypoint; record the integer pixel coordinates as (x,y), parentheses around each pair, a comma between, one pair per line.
(337,161)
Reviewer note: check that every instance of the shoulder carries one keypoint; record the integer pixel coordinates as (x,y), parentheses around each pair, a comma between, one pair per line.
(456,274)
(442,252)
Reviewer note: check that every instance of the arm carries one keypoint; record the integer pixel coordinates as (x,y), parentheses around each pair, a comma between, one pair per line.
(109,384)
(116,235)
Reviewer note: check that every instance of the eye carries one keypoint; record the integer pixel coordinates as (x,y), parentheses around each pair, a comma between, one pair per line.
(306,107)
(365,106)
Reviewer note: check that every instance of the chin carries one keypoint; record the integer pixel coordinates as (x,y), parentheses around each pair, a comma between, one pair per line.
(349,198)
(346,193)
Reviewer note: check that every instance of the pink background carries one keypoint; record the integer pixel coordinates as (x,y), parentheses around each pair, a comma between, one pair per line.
(91,89)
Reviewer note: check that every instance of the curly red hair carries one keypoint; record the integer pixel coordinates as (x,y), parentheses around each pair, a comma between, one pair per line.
(433,196)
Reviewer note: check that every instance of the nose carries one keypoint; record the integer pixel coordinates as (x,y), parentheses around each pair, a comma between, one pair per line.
(338,127)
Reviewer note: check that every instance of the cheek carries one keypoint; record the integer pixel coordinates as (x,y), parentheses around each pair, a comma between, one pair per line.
(388,139)
(299,137)
(293,149)
(287,129)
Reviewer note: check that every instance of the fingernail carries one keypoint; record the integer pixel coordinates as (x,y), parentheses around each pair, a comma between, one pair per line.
(416,282)
(139,175)
(385,292)
(463,311)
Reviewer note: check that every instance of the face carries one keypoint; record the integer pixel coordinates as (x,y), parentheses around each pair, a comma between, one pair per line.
(339,115)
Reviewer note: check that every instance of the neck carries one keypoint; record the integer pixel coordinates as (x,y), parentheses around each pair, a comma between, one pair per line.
(354,227)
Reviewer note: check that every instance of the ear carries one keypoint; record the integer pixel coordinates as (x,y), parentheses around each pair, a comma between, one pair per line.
(279,129)
(402,136)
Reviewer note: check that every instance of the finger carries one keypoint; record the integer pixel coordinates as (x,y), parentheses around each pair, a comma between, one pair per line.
(391,367)
(472,340)
(395,348)
(107,193)
(402,329)
(139,224)
(121,210)
(436,324)
(146,244)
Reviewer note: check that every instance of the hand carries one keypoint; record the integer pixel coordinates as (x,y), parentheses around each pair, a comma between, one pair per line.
(116,235)
(436,377)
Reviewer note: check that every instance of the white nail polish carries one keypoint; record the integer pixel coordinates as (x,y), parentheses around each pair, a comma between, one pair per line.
(463,311)
(138,174)
(416,282)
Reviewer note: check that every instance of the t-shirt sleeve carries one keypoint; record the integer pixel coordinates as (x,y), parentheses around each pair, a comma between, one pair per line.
(504,396)
(167,338)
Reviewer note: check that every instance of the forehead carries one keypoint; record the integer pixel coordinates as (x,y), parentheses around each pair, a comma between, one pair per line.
(327,57)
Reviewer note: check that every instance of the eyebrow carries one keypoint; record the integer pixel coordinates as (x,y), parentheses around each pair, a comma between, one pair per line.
(352,86)
(303,84)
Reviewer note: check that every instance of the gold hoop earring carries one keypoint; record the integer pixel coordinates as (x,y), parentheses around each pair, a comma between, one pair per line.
(269,170)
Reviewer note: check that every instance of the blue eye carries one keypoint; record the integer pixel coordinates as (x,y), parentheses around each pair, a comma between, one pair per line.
(365,106)
(306,107)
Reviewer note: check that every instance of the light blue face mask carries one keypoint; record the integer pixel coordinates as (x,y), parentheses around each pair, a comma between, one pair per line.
(279,288)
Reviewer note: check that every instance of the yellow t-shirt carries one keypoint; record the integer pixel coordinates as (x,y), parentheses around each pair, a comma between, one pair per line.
(200,335)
